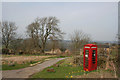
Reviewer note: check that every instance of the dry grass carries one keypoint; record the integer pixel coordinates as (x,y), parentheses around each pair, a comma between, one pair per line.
(101,74)
(22,59)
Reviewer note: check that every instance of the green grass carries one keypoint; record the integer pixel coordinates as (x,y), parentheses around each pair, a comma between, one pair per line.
(114,52)
(17,66)
(118,75)
(63,71)
(60,56)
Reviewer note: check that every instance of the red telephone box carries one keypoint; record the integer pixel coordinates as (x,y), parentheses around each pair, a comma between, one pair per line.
(90,57)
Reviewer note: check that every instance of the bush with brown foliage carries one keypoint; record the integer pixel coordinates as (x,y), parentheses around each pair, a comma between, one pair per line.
(50,70)
(78,60)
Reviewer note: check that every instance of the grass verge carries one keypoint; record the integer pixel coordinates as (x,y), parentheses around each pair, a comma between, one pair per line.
(16,66)
(63,71)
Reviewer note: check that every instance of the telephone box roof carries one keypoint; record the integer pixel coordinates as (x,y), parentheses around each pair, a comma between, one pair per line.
(90,45)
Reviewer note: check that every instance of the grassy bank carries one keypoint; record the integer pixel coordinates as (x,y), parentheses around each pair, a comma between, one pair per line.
(65,70)
(18,66)
(15,66)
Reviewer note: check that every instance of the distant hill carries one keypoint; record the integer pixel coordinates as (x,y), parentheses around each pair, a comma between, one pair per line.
(68,41)
(106,42)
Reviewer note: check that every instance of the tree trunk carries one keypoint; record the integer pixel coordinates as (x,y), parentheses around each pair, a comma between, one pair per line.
(42,51)
(6,46)
(43,48)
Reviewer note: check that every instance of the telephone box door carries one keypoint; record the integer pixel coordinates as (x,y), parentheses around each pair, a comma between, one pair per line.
(86,58)
(94,58)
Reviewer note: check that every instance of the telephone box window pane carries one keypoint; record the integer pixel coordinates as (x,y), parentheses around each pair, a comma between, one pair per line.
(86,53)
(93,47)
(87,47)
(93,56)
(86,58)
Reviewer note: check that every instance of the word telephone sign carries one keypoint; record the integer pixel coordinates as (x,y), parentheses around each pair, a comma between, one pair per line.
(90,57)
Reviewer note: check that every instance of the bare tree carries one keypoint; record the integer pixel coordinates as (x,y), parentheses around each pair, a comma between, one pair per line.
(79,39)
(16,44)
(43,28)
(0,35)
(32,31)
(54,44)
(8,32)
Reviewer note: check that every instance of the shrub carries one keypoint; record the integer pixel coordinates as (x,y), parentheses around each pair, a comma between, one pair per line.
(5,51)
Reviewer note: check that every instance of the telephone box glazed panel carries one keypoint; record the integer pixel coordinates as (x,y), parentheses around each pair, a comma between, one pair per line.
(90,57)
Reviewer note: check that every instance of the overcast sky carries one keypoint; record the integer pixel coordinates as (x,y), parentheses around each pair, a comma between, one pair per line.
(99,19)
